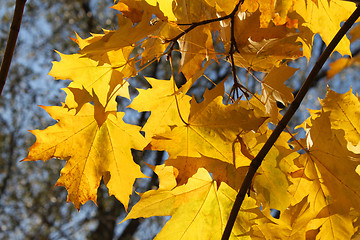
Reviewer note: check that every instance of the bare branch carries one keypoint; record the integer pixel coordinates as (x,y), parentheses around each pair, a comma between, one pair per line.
(11,42)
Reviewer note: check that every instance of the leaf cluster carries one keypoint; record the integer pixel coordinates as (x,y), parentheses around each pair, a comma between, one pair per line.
(313,182)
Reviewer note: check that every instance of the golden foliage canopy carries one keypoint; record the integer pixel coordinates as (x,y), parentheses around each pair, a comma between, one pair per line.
(314,182)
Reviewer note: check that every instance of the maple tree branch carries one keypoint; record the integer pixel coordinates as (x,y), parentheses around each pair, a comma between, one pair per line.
(11,42)
(256,162)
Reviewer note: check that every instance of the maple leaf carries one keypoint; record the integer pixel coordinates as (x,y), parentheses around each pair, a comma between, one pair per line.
(329,179)
(195,46)
(99,79)
(84,42)
(274,90)
(199,209)
(77,96)
(292,223)
(115,40)
(164,102)
(93,143)
(344,112)
(312,15)
(260,48)
(221,171)
(210,129)
(155,45)
(341,64)
(165,6)
(271,181)
(130,9)
(267,9)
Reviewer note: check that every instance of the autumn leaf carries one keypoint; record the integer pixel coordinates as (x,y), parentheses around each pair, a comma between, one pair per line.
(195,46)
(344,110)
(141,11)
(165,6)
(329,180)
(260,48)
(130,9)
(291,224)
(312,15)
(116,40)
(337,66)
(343,114)
(99,79)
(77,96)
(221,171)
(271,181)
(341,64)
(165,104)
(211,128)
(268,10)
(155,45)
(274,89)
(93,151)
(199,209)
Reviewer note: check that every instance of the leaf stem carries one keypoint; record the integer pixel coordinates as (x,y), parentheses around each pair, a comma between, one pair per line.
(11,42)
(256,162)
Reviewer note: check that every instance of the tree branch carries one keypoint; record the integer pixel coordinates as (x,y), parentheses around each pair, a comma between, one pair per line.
(11,42)
(256,162)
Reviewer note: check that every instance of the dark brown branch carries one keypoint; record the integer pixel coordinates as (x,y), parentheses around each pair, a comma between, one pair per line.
(11,42)
(256,162)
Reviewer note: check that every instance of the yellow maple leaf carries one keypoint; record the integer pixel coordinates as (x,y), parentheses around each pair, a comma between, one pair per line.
(115,40)
(271,182)
(210,129)
(341,64)
(221,171)
(77,96)
(99,79)
(94,146)
(154,46)
(164,102)
(260,48)
(344,110)
(322,17)
(197,45)
(292,224)
(274,89)
(199,209)
(165,6)
(267,9)
(337,66)
(153,30)
(130,9)
(329,180)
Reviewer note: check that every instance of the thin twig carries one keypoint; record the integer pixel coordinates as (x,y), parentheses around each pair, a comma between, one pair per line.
(256,162)
(11,42)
